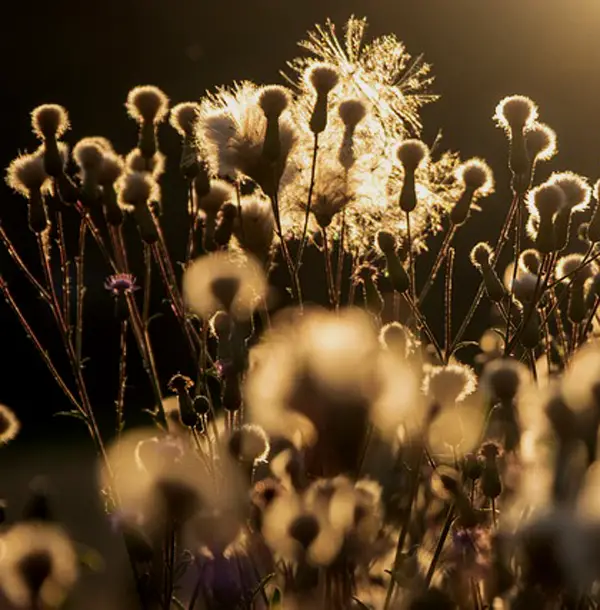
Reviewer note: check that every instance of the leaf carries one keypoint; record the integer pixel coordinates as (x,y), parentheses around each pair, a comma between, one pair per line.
(73,413)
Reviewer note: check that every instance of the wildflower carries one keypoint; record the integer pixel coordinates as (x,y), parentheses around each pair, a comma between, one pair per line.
(351,112)
(9,425)
(411,154)
(50,122)
(232,126)
(136,190)
(27,176)
(217,281)
(502,379)
(576,189)
(254,227)
(447,385)
(273,101)
(121,283)
(39,565)
(530,261)
(323,78)
(477,179)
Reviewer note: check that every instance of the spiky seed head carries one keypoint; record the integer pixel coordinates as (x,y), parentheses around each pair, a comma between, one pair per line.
(516,112)
(273,100)
(540,140)
(412,154)
(136,188)
(481,254)
(546,200)
(322,77)
(352,112)
(136,162)
(89,154)
(183,117)
(529,261)
(26,173)
(49,120)
(220,192)
(476,175)
(249,443)
(111,169)
(576,188)
(9,425)
(147,104)
(449,384)
(386,242)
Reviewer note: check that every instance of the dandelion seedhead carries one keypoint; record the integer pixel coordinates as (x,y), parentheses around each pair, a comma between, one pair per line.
(481,255)
(576,188)
(540,141)
(147,104)
(515,113)
(449,384)
(9,425)
(26,174)
(274,100)
(475,174)
(184,117)
(412,154)
(49,121)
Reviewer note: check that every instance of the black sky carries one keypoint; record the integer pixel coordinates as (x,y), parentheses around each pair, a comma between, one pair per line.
(87,55)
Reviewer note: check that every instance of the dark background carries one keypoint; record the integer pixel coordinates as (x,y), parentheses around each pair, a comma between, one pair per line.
(87,55)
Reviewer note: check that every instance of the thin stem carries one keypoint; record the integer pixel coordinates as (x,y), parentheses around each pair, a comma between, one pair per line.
(411,260)
(120,402)
(588,325)
(514,272)
(38,346)
(311,188)
(422,322)
(439,547)
(340,260)
(448,303)
(147,285)
(97,237)
(193,218)
(328,270)
(80,291)
(65,268)
(442,253)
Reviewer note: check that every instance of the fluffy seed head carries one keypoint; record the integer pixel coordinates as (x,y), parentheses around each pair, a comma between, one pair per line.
(136,162)
(249,443)
(540,140)
(111,169)
(524,287)
(449,384)
(26,174)
(597,191)
(385,241)
(398,339)
(567,265)
(254,227)
(529,261)
(147,104)
(89,154)
(9,425)
(184,116)
(322,77)
(477,175)
(352,112)
(220,192)
(576,188)
(502,379)
(482,254)
(273,100)
(136,188)
(516,112)
(546,200)
(411,154)
(49,120)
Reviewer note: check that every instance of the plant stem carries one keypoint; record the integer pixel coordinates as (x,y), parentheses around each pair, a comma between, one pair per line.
(440,545)
(442,253)
(311,187)
(448,303)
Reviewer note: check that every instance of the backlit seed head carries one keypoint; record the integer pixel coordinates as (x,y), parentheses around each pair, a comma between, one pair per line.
(322,77)
(481,255)
(273,100)
(516,112)
(476,175)
(546,200)
(147,104)
(183,118)
(49,120)
(540,141)
(412,154)
(352,112)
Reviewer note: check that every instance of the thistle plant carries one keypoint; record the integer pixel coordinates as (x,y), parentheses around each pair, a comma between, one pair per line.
(328,452)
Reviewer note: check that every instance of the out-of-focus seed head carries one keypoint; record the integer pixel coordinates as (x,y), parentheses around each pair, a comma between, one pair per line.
(26,174)
(546,199)
(111,169)
(322,77)
(540,140)
(352,112)
(136,189)
(476,175)
(220,192)
(183,118)
(49,120)
(502,379)
(385,242)
(530,261)
(412,154)
(9,425)
(249,443)
(136,162)
(273,100)
(490,450)
(89,154)
(570,264)
(482,254)
(221,325)
(516,112)
(304,529)
(576,188)
(398,339)
(147,104)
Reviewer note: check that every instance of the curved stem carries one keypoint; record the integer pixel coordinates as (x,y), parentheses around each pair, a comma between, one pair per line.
(311,188)
(442,253)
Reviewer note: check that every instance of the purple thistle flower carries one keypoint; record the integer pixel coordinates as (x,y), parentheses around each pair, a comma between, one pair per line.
(120,284)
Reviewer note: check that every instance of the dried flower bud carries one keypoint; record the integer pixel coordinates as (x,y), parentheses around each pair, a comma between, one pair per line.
(530,261)
(322,77)
(481,255)
(50,121)
(477,180)
(412,154)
